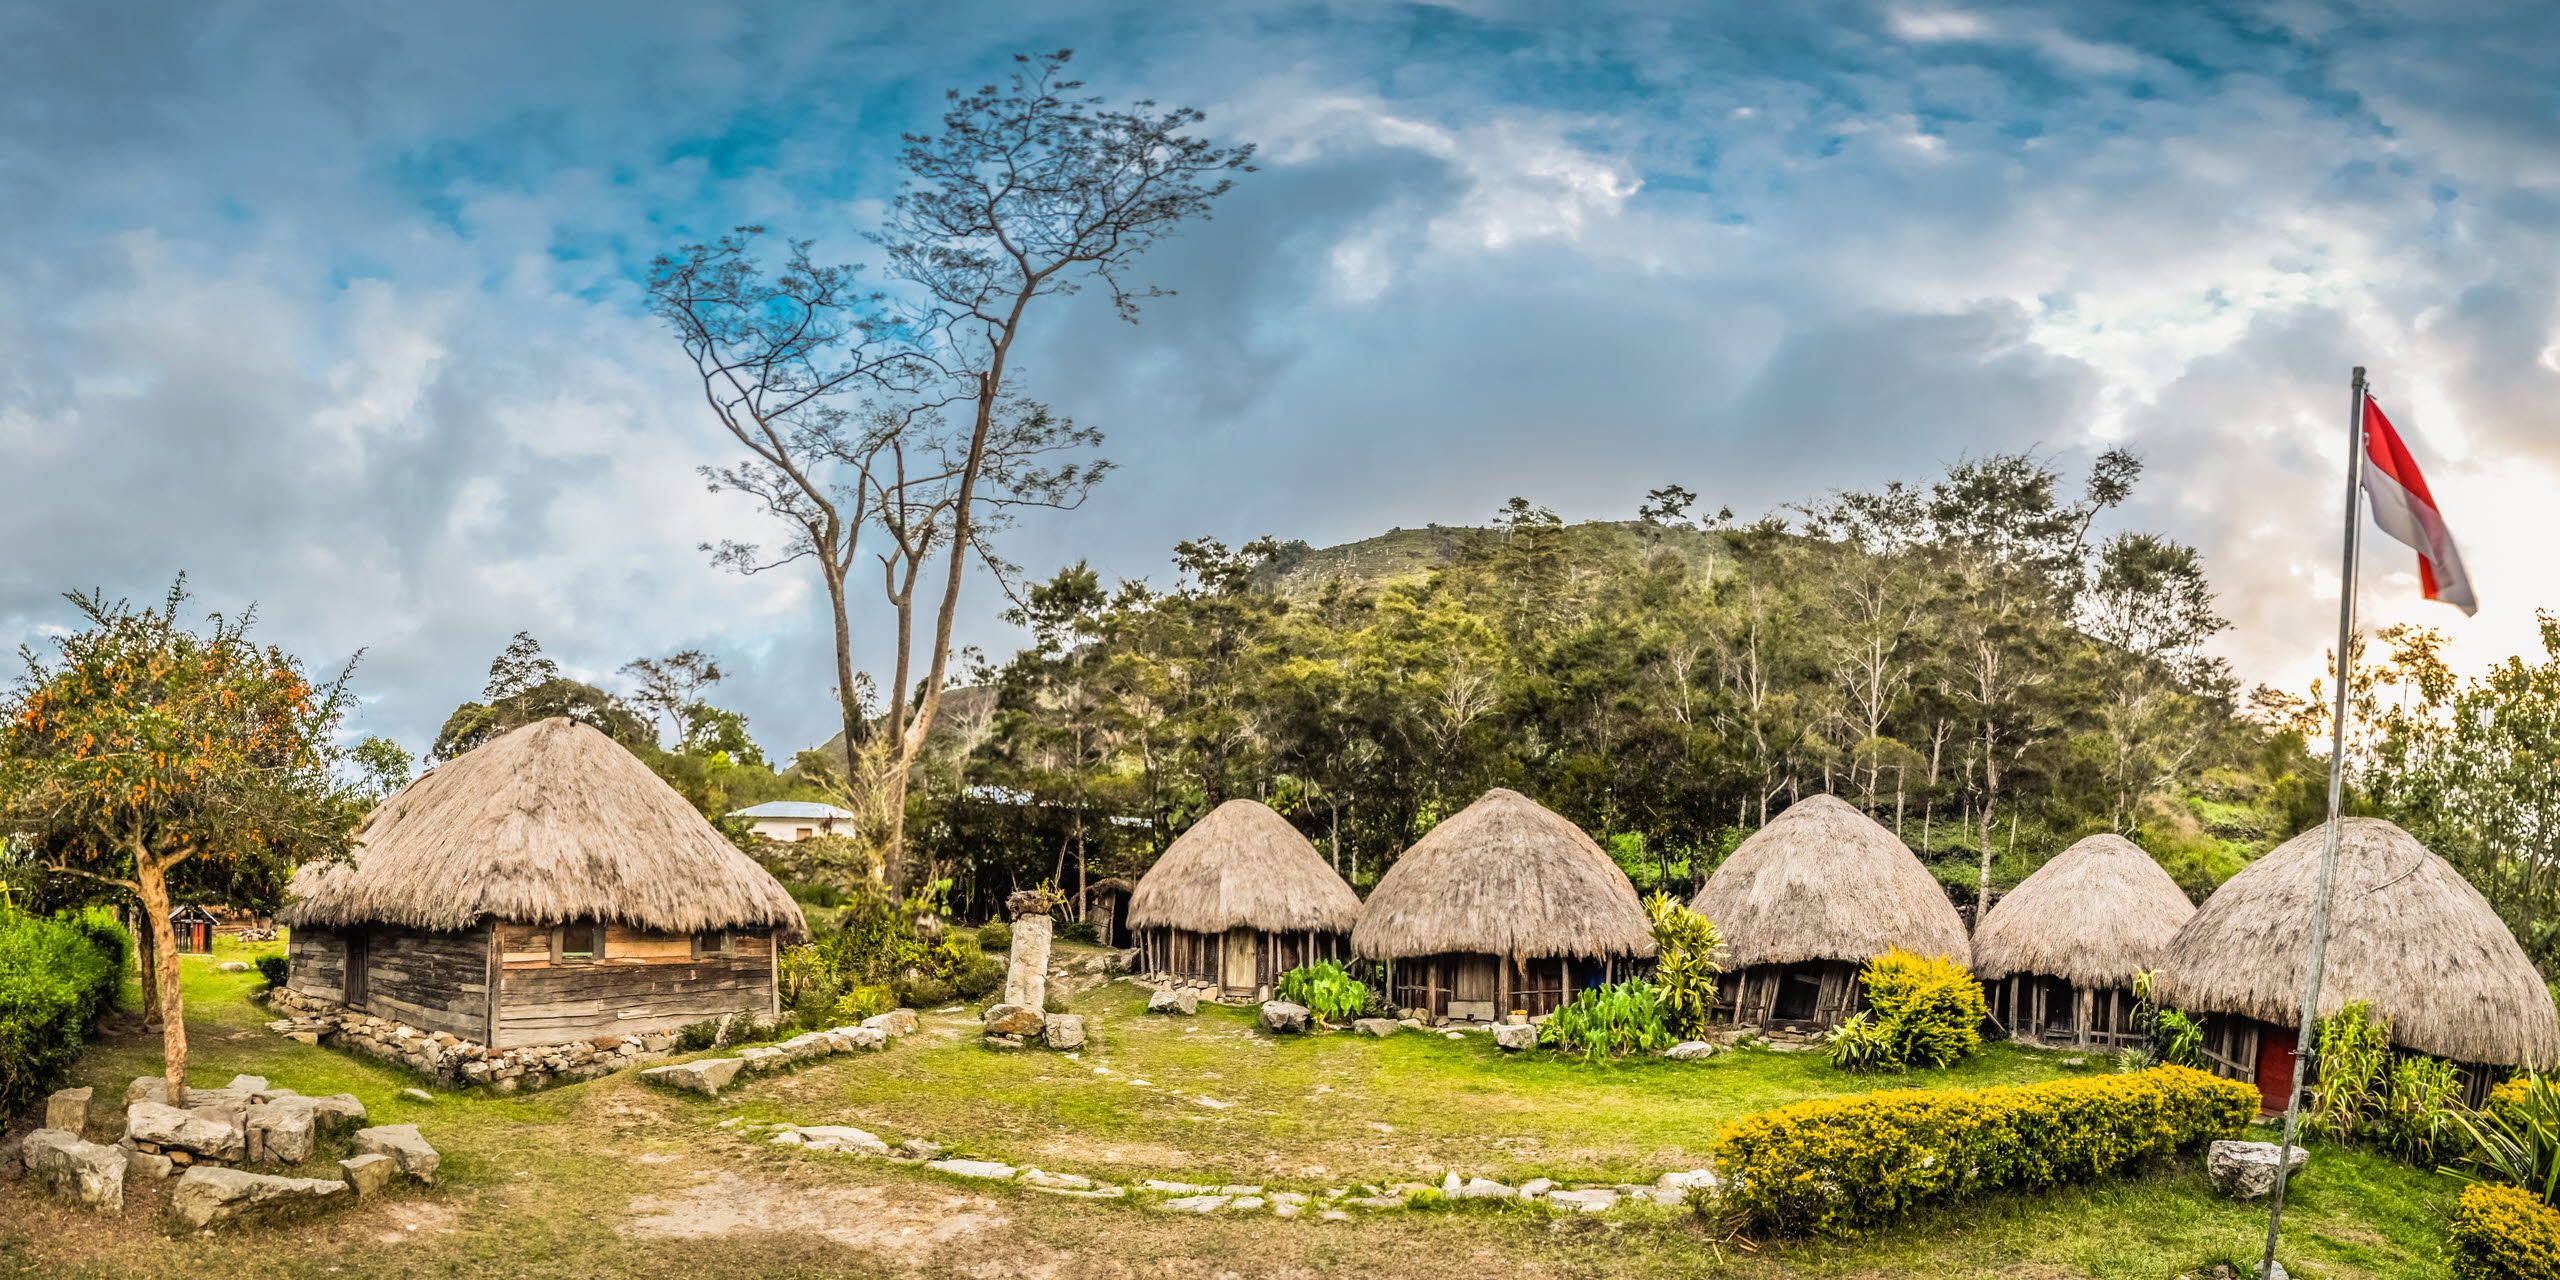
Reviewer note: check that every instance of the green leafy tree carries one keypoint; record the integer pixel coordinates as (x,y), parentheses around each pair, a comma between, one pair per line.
(144,750)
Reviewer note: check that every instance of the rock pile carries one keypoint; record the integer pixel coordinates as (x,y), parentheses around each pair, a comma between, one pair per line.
(450,1058)
(708,1076)
(247,1121)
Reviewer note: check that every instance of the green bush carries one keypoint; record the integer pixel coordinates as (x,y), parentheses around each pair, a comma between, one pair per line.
(922,991)
(2515,1136)
(995,935)
(1835,1166)
(2367,1094)
(981,977)
(857,1003)
(1326,989)
(1609,1021)
(2504,1233)
(56,977)
(1078,931)
(274,968)
(1688,958)
(1922,1011)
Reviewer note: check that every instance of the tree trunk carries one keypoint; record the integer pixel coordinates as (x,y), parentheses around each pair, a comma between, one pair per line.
(153,890)
(146,967)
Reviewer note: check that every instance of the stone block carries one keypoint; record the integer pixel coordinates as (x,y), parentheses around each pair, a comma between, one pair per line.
(86,1173)
(208,1194)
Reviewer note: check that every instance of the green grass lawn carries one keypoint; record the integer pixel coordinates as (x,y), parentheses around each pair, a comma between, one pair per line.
(612,1178)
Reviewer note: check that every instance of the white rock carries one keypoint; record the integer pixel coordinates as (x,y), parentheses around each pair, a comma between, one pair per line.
(705,1076)
(1065,1031)
(208,1194)
(1281,1017)
(985,1170)
(1689,1051)
(843,1137)
(1184,1001)
(68,1110)
(1195,1204)
(1514,1039)
(1594,1200)
(1537,1187)
(1486,1189)
(2247,1170)
(214,1132)
(1379,1027)
(896,1022)
(367,1176)
(402,1143)
(86,1173)
(1686,1180)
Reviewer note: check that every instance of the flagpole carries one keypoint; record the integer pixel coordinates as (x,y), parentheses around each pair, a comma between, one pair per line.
(2306,1040)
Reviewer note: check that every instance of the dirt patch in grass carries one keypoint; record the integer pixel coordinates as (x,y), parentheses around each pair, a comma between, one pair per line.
(903,1223)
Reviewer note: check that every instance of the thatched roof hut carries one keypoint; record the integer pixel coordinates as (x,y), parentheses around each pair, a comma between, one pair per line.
(1823,881)
(1504,876)
(2095,915)
(1243,867)
(2408,935)
(550,822)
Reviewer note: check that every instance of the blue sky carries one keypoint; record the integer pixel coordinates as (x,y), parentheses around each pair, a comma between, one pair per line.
(340,314)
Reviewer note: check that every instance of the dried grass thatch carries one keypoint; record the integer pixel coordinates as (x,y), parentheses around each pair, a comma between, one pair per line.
(1822,881)
(1504,876)
(2098,913)
(548,823)
(2408,934)
(1242,867)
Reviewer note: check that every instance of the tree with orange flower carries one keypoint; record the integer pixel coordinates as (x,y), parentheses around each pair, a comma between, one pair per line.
(143,746)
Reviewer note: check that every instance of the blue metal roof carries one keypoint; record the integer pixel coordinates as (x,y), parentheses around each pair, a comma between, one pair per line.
(792,809)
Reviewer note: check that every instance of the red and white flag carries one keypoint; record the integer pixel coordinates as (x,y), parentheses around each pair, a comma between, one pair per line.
(2406,511)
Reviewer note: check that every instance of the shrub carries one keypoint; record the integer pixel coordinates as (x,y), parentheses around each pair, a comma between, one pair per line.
(995,935)
(1859,1044)
(1836,1166)
(2504,1233)
(1078,931)
(1923,1012)
(2407,1104)
(2515,1136)
(742,1030)
(981,977)
(1687,961)
(1609,1021)
(274,968)
(923,991)
(857,1003)
(56,977)
(1326,989)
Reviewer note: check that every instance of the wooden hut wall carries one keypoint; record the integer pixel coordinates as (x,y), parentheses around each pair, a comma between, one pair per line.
(431,981)
(2050,1011)
(1474,985)
(642,982)
(1818,993)
(317,960)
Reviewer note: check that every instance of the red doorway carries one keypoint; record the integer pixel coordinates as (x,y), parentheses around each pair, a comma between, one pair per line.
(2275,1068)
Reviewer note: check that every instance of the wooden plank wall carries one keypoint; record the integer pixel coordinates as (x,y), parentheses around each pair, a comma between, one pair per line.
(645,982)
(319,963)
(432,981)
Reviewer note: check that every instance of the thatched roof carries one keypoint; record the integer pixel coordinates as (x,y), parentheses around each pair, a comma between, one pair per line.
(548,823)
(1504,876)
(1242,867)
(2098,913)
(2408,934)
(1822,881)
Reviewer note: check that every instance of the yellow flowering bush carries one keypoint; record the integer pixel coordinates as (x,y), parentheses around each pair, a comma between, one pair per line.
(1836,1166)
(2503,1233)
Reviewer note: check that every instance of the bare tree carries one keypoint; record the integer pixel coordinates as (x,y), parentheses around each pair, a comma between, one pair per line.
(863,411)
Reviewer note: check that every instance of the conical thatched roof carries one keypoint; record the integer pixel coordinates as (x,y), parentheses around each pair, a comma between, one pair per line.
(2098,913)
(2408,934)
(1504,876)
(1243,867)
(547,823)
(1822,881)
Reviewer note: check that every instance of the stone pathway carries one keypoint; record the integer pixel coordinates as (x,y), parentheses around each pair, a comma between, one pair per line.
(1329,1204)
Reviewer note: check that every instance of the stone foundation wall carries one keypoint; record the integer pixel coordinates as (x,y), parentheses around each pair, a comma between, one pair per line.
(455,1061)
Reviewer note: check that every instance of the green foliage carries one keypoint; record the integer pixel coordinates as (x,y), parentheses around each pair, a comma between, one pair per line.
(274,967)
(1326,989)
(1687,961)
(875,954)
(1083,931)
(2177,1039)
(995,935)
(1927,1011)
(1610,1021)
(865,1001)
(55,980)
(742,1030)
(2503,1233)
(2515,1136)
(1860,1043)
(2366,1094)
(1842,1165)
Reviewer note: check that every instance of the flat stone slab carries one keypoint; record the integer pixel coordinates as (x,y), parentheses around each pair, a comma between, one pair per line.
(896,1022)
(1594,1200)
(215,1132)
(1174,1002)
(1689,1051)
(985,1170)
(1014,1020)
(1379,1027)
(841,1137)
(402,1143)
(85,1173)
(1283,1017)
(1196,1204)
(368,1175)
(208,1194)
(705,1076)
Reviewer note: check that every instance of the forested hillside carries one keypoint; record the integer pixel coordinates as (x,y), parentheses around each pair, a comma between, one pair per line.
(1974,660)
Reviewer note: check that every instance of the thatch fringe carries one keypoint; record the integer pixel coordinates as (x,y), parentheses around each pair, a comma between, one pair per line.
(548,823)
(1243,867)
(2408,934)
(1504,876)
(2095,915)
(1823,881)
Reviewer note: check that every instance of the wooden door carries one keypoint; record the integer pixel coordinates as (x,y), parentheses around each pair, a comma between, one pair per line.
(1242,963)
(2275,1068)
(356,967)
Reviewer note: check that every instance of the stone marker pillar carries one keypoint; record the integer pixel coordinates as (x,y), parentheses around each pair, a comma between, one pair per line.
(1026,974)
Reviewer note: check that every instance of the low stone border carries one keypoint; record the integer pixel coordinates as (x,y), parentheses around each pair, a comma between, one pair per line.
(452,1060)
(708,1076)
(1331,1204)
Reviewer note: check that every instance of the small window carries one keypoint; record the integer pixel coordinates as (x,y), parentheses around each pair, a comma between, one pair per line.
(577,944)
(804,833)
(716,943)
